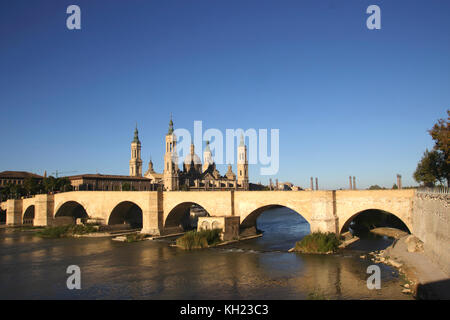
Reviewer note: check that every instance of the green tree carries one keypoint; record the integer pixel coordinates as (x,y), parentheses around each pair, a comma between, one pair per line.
(428,169)
(440,134)
(63,184)
(375,187)
(16,191)
(49,184)
(6,192)
(126,186)
(435,165)
(31,185)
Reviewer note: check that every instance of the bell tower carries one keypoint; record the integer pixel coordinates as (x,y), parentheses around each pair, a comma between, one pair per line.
(171,160)
(136,162)
(242,165)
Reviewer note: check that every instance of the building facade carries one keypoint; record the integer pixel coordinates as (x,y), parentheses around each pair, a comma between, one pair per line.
(104,182)
(17,177)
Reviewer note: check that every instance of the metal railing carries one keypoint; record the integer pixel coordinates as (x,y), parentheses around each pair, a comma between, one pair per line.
(434,190)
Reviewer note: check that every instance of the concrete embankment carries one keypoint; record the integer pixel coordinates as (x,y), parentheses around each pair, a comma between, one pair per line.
(347,239)
(428,280)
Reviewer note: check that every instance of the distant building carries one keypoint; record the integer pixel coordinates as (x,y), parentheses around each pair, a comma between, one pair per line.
(110,182)
(153,175)
(286,186)
(16,177)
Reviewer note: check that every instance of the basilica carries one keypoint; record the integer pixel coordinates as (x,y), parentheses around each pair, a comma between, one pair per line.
(194,175)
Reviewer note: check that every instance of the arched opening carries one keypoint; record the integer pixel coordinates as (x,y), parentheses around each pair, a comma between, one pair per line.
(2,216)
(184,217)
(366,220)
(126,215)
(69,212)
(282,227)
(28,216)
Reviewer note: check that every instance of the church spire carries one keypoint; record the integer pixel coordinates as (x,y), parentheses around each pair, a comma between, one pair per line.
(170,125)
(136,135)
(241,144)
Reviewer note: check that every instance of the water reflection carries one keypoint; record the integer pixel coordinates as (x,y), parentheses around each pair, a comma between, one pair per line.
(258,269)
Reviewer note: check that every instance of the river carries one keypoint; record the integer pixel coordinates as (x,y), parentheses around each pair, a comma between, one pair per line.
(35,268)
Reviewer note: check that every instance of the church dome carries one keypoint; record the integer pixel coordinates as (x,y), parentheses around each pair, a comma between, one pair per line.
(192,158)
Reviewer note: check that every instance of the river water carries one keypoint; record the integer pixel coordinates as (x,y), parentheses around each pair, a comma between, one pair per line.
(34,268)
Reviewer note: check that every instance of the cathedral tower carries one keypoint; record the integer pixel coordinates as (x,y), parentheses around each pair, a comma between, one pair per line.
(242,165)
(171,160)
(136,162)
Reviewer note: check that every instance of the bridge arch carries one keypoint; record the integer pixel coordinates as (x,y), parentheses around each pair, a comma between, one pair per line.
(28,216)
(180,216)
(126,213)
(393,219)
(2,216)
(71,209)
(250,219)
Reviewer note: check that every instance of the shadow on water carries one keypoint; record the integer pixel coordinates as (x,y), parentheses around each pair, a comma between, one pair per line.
(369,242)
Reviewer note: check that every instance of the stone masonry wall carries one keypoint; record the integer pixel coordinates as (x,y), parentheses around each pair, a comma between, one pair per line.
(431,224)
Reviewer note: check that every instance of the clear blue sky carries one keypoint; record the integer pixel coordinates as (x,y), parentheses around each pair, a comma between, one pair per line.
(347,100)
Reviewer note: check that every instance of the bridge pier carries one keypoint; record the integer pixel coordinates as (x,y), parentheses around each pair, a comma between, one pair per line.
(14,212)
(44,207)
(323,212)
(153,218)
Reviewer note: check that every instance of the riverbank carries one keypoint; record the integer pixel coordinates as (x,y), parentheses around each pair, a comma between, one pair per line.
(389,232)
(427,280)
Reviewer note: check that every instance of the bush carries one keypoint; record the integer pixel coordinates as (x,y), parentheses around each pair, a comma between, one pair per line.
(318,242)
(65,231)
(53,232)
(135,237)
(317,295)
(83,229)
(198,240)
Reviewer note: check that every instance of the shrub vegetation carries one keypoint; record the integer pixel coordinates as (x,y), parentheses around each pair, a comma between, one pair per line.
(66,231)
(199,239)
(135,237)
(318,242)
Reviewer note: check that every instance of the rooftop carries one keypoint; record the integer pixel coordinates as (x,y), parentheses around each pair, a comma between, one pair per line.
(18,175)
(105,176)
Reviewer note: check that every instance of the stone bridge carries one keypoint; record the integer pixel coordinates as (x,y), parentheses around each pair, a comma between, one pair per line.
(162,212)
